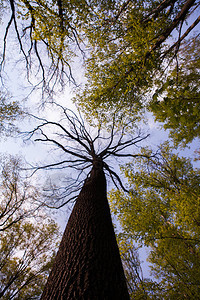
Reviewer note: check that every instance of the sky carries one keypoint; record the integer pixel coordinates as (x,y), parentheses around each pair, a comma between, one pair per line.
(15,80)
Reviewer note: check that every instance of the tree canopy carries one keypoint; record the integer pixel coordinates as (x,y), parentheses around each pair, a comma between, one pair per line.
(129,51)
(28,235)
(131,48)
(79,144)
(19,198)
(126,42)
(49,35)
(27,250)
(176,101)
(9,112)
(161,211)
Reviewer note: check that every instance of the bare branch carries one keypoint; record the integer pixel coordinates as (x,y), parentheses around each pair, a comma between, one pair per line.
(196,22)
(91,148)
(179,18)
(114,176)
(155,12)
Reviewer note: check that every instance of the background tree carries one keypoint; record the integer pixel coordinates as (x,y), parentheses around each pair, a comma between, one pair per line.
(127,39)
(41,26)
(27,250)
(28,235)
(131,49)
(19,198)
(176,102)
(49,35)
(138,286)
(162,212)
(9,112)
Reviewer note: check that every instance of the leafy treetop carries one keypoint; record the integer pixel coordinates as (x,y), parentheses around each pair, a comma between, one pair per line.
(162,212)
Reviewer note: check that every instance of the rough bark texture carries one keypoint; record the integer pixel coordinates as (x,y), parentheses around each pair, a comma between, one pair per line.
(88,264)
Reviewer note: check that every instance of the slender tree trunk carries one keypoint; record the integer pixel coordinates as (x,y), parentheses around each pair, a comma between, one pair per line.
(88,264)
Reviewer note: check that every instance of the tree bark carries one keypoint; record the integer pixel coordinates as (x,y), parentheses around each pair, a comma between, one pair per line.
(88,264)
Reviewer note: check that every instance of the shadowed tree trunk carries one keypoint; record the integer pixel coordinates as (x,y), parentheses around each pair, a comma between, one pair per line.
(88,264)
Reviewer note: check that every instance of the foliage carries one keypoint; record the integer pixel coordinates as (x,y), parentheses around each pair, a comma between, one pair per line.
(28,236)
(9,112)
(27,250)
(128,47)
(124,40)
(79,146)
(49,36)
(19,199)
(138,286)
(162,211)
(129,51)
(177,101)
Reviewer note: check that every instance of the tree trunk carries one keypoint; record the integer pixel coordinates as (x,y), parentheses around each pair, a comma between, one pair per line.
(88,264)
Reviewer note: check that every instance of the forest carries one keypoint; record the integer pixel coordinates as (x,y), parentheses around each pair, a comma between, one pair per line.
(99,152)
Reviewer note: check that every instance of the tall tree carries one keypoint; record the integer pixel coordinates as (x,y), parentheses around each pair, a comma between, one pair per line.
(88,263)
(162,213)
